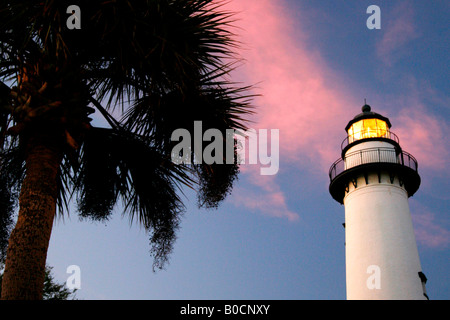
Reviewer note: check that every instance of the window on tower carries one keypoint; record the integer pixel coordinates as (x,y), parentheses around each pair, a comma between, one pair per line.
(368,128)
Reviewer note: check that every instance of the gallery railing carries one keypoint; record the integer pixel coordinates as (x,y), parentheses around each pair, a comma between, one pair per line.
(372,155)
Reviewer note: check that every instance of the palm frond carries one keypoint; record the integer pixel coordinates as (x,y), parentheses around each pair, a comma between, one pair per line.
(117,165)
(155,46)
(5,111)
(97,181)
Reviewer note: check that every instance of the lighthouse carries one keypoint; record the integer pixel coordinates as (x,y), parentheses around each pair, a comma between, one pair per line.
(373,179)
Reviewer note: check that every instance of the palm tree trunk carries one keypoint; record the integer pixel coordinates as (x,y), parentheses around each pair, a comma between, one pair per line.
(27,250)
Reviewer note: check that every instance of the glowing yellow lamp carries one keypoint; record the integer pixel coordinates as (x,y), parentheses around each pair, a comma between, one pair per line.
(368,125)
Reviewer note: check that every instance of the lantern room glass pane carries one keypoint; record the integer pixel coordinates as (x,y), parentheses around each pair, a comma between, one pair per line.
(370,128)
(382,128)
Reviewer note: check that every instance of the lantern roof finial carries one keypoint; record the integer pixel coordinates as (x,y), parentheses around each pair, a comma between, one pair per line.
(366,107)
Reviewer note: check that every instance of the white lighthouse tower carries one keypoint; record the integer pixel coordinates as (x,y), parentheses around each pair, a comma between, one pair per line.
(374,179)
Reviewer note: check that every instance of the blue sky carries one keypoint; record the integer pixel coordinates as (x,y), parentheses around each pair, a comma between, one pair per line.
(281,237)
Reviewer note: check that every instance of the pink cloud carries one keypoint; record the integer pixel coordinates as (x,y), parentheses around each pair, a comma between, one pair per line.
(423,132)
(297,97)
(269,200)
(428,229)
(424,136)
(397,33)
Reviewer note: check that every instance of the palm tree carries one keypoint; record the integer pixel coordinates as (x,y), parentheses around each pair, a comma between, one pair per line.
(147,67)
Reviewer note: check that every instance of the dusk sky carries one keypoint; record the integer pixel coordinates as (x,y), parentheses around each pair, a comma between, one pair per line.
(313,62)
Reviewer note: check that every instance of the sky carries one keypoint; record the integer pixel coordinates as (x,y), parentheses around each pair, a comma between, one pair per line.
(281,236)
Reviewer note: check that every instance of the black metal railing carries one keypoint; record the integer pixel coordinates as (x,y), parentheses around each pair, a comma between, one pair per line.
(351,138)
(372,155)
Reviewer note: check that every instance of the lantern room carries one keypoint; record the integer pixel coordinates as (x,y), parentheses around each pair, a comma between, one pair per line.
(368,124)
